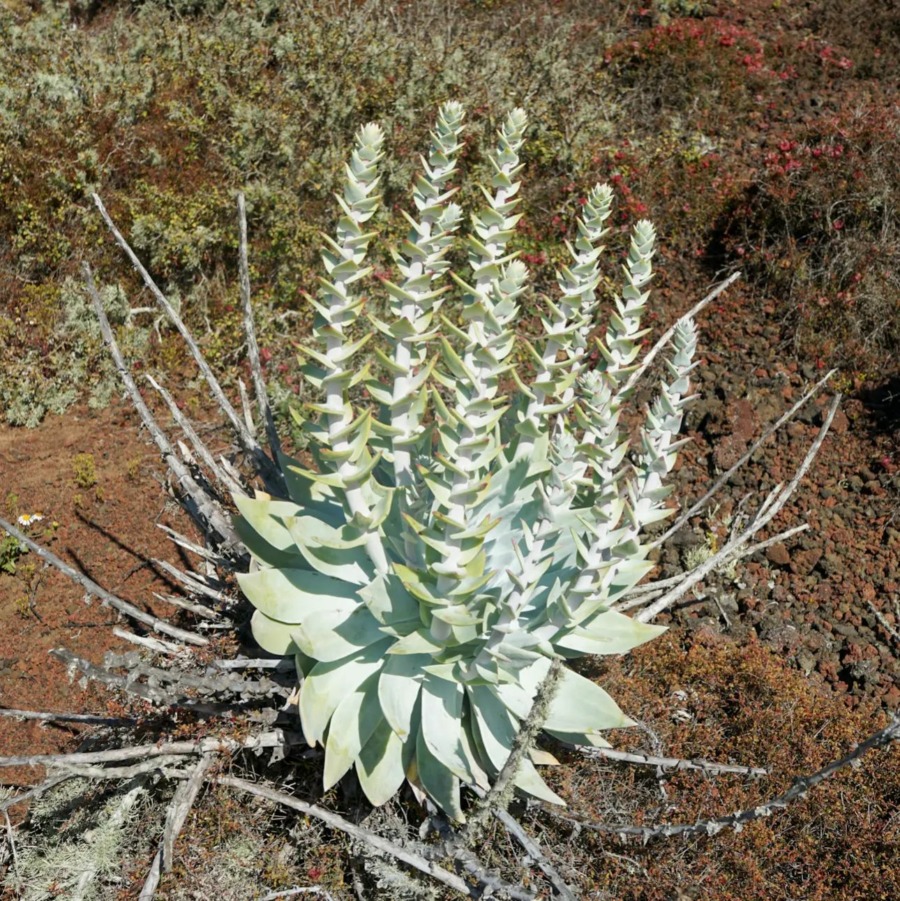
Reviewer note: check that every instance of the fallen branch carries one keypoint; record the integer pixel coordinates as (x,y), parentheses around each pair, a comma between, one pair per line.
(87,718)
(185,796)
(184,424)
(800,787)
(377,842)
(106,598)
(674,764)
(199,504)
(533,849)
(246,440)
(726,476)
(776,499)
(272,739)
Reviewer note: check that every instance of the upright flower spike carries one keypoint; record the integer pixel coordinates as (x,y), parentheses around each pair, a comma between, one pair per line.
(416,300)
(425,612)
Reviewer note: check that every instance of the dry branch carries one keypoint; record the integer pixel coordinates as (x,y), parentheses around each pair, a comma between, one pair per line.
(675,764)
(800,787)
(726,476)
(106,598)
(377,842)
(246,440)
(259,383)
(200,448)
(667,337)
(87,718)
(176,816)
(776,499)
(199,504)
(533,849)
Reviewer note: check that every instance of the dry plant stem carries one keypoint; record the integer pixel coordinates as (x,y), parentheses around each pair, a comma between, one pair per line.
(500,793)
(201,449)
(167,696)
(45,786)
(364,835)
(176,816)
(106,598)
(801,786)
(674,764)
(194,583)
(281,664)
(153,644)
(289,893)
(259,383)
(247,441)
(642,594)
(200,610)
(193,547)
(170,766)
(724,478)
(199,504)
(86,718)
(536,854)
(272,739)
(884,623)
(11,838)
(691,314)
(771,506)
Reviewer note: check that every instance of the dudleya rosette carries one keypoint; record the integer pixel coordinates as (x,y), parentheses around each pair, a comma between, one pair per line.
(451,541)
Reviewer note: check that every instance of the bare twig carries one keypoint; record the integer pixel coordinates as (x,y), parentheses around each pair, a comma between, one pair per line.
(201,449)
(195,583)
(673,763)
(777,498)
(247,441)
(168,765)
(271,739)
(643,594)
(737,820)
(11,838)
(202,507)
(533,849)
(153,644)
(884,623)
(87,718)
(363,835)
(45,786)
(199,609)
(289,893)
(195,548)
(185,796)
(723,479)
(107,598)
(651,355)
(259,383)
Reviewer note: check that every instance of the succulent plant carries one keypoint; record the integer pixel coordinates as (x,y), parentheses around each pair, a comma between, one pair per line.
(451,540)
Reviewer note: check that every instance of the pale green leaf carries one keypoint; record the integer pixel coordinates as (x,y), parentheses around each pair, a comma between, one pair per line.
(399,686)
(382,763)
(352,724)
(327,684)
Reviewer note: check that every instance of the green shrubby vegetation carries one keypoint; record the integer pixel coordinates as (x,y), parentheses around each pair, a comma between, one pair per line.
(168,108)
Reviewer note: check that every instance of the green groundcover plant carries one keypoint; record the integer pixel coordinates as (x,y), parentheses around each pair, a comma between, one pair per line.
(453,540)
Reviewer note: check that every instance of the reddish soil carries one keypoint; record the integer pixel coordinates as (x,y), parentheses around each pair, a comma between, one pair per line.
(108,531)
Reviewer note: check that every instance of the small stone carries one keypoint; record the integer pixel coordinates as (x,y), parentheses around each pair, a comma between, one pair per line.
(777,554)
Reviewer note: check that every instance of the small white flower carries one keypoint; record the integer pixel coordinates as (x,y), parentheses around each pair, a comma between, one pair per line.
(26,519)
